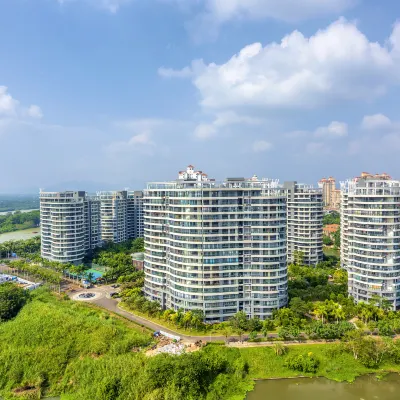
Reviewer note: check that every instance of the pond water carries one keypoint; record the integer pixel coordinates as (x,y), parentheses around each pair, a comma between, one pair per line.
(20,235)
(364,388)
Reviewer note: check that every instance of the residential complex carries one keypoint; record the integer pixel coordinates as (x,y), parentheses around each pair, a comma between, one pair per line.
(70,225)
(73,222)
(222,246)
(304,223)
(370,237)
(331,195)
(114,216)
(135,212)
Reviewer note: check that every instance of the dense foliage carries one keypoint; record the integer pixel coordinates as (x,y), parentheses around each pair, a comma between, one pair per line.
(331,218)
(23,248)
(302,362)
(317,283)
(117,258)
(16,221)
(87,354)
(12,299)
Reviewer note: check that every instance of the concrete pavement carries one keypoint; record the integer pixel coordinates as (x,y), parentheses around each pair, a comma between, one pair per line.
(111,304)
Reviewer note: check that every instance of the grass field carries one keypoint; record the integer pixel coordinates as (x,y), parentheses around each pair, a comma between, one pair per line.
(335,365)
(330,251)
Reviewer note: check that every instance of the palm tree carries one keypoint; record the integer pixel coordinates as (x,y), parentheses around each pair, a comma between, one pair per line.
(187,319)
(279,349)
(338,313)
(320,311)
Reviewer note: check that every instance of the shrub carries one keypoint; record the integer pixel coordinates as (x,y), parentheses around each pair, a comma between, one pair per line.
(302,362)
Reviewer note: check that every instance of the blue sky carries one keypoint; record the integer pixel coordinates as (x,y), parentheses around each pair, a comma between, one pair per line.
(114,93)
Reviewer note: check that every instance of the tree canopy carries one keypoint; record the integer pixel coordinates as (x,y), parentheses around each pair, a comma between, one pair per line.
(12,299)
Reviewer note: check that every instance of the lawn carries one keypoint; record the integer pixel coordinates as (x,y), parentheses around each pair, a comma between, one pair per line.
(331,251)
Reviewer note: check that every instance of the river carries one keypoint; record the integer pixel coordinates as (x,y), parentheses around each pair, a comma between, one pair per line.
(19,235)
(364,388)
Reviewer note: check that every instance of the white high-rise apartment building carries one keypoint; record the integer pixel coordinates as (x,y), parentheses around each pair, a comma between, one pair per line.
(70,225)
(304,222)
(370,237)
(218,247)
(135,214)
(114,216)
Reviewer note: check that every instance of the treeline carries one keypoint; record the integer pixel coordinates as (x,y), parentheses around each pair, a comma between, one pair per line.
(21,202)
(19,220)
(23,248)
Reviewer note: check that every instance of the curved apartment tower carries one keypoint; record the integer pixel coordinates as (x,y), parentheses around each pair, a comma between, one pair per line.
(63,226)
(218,247)
(370,237)
(304,222)
(113,216)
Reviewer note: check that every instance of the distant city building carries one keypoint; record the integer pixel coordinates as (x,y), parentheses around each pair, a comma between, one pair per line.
(370,237)
(330,194)
(330,229)
(304,222)
(221,246)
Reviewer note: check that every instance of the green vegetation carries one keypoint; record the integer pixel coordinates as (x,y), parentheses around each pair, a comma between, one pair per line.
(23,248)
(58,346)
(18,202)
(334,362)
(313,283)
(331,252)
(331,218)
(18,220)
(117,259)
(12,299)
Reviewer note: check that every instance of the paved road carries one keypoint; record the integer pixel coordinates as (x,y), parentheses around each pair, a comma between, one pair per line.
(105,301)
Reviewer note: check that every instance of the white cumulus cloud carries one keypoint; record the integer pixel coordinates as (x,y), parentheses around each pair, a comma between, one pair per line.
(8,105)
(376,122)
(334,130)
(335,64)
(35,111)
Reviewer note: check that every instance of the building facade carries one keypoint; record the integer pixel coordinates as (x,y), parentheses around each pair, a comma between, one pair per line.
(218,247)
(70,225)
(114,216)
(330,195)
(304,223)
(135,214)
(370,237)
(73,223)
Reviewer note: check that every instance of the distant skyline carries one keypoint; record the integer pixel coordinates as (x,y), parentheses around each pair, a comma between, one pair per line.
(109,94)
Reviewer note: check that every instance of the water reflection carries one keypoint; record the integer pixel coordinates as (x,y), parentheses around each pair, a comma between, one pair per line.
(364,388)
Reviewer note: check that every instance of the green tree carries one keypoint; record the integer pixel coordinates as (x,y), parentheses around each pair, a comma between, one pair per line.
(12,299)
(327,240)
(239,321)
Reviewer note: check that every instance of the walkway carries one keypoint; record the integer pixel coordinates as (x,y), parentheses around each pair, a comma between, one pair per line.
(111,304)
